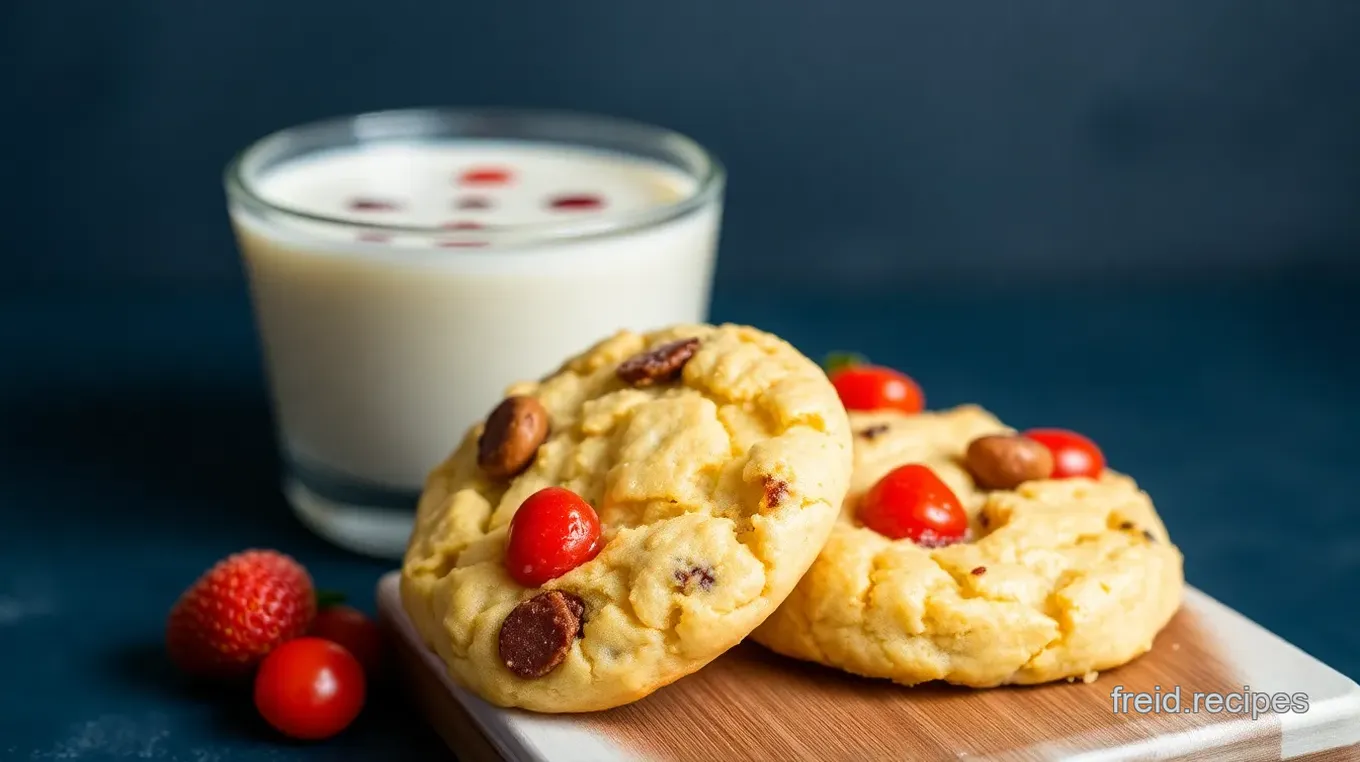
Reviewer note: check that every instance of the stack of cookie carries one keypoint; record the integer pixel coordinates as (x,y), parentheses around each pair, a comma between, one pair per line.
(661,497)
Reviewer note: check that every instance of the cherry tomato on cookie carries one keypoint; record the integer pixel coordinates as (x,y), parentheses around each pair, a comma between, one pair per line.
(911,502)
(553,532)
(309,688)
(1073,454)
(873,387)
(356,632)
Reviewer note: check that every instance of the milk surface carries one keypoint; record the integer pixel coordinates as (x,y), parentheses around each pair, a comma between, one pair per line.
(494,184)
(383,346)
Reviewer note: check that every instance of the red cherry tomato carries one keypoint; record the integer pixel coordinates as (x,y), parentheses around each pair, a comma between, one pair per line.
(356,632)
(1073,454)
(871,387)
(309,688)
(553,532)
(911,502)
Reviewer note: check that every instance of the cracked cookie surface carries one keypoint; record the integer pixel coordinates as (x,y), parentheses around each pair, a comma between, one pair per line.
(716,483)
(1062,577)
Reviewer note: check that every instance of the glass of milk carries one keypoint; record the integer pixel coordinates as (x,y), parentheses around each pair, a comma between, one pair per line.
(406,266)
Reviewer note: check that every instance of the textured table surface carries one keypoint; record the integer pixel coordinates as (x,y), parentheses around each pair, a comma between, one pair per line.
(135,449)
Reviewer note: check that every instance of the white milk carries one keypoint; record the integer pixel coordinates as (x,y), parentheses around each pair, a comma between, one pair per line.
(383,347)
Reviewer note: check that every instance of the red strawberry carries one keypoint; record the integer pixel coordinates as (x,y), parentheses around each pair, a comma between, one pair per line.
(237,612)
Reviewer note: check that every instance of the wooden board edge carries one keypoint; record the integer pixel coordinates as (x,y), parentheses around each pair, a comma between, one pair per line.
(469,740)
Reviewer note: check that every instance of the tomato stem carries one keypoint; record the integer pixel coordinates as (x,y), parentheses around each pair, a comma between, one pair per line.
(328,598)
(838,361)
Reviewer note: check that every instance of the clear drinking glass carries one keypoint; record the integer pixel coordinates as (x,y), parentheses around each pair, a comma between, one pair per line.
(406,266)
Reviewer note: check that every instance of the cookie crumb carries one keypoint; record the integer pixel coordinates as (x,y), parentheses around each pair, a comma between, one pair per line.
(1090,677)
(978,571)
(659,365)
(776,491)
(873,432)
(695,575)
(1126,525)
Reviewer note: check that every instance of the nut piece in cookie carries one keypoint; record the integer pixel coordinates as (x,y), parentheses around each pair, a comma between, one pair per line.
(658,366)
(1006,462)
(776,492)
(538,633)
(513,432)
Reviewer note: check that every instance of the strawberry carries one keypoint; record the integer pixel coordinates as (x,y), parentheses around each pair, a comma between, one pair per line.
(237,612)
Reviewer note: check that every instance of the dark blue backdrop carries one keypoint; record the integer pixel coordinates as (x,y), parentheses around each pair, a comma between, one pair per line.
(866,140)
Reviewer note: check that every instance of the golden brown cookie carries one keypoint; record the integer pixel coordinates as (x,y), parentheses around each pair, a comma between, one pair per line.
(1061,577)
(716,459)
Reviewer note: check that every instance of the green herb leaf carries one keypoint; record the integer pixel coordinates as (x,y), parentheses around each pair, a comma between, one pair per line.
(837,361)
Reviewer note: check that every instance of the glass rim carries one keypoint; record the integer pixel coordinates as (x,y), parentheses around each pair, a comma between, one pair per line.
(708,172)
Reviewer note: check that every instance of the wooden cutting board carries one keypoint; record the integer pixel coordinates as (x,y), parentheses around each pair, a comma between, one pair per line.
(751,704)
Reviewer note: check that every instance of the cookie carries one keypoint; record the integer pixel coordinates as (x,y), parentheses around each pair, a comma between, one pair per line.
(1055,578)
(716,460)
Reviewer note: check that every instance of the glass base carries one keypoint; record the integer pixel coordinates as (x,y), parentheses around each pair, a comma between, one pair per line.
(373,522)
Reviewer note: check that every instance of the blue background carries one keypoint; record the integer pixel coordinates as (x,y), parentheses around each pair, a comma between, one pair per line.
(1138,220)
(866,140)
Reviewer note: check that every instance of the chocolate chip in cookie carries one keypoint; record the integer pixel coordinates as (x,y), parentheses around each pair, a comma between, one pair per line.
(537,635)
(873,432)
(1006,462)
(511,437)
(700,576)
(658,366)
(578,610)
